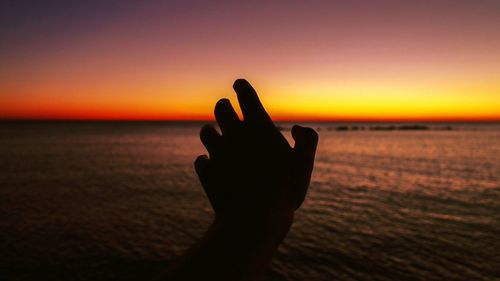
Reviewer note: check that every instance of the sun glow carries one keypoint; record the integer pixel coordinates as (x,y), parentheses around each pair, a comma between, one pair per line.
(170,61)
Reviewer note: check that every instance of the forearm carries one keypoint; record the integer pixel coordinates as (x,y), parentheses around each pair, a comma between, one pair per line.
(229,251)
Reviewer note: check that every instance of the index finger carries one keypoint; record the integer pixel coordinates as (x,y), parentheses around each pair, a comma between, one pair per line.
(250,105)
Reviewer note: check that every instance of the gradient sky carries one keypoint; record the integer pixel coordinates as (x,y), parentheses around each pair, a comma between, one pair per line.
(321,60)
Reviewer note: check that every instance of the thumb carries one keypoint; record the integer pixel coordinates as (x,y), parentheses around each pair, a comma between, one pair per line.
(306,141)
(204,170)
(201,166)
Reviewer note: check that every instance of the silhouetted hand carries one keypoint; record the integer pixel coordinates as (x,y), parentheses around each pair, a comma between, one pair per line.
(254,181)
(253,178)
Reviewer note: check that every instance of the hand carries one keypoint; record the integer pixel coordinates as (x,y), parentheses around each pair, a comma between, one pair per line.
(253,178)
(254,181)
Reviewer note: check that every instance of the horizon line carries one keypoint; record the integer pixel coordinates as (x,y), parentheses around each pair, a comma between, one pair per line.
(187,120)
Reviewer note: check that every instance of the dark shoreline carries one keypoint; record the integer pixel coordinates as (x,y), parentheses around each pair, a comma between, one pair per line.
(188,121)
(411,127)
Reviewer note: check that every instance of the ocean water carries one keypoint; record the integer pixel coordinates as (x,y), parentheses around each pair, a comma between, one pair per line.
(120,201)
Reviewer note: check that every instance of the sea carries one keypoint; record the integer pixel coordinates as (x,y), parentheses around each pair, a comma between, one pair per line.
(121,201)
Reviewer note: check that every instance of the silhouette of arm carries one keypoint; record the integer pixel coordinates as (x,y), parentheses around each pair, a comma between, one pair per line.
(255,181)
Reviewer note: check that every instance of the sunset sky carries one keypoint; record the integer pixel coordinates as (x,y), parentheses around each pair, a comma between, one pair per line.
(309,60)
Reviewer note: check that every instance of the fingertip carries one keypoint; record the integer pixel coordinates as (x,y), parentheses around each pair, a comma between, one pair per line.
(305,133)
(200,163)
(226,116)
(207,128)
(311,134)
(295,131)
(209,136)
(221,104)
(201,160)
(240,83)
(224,108)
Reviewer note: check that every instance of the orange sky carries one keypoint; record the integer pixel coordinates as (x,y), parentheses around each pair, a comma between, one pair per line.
(324,60)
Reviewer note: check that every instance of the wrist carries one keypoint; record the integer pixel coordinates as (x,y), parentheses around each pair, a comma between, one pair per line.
(258,232)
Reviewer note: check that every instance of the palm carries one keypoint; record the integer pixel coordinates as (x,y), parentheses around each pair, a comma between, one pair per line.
(252,170)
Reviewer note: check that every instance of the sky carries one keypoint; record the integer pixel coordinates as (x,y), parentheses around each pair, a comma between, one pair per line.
(309,60)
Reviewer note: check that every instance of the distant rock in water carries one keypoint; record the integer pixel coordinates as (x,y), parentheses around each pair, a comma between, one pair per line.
(413,127)
(399,128)
(445,128)
(351,128)
(342,128)
(383,128)
(409,127)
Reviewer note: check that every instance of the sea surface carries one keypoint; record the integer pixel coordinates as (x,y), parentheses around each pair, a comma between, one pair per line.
(120,201)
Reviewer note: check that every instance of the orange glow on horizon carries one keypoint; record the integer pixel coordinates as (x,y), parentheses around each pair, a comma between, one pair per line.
(352,102)
(290,112)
